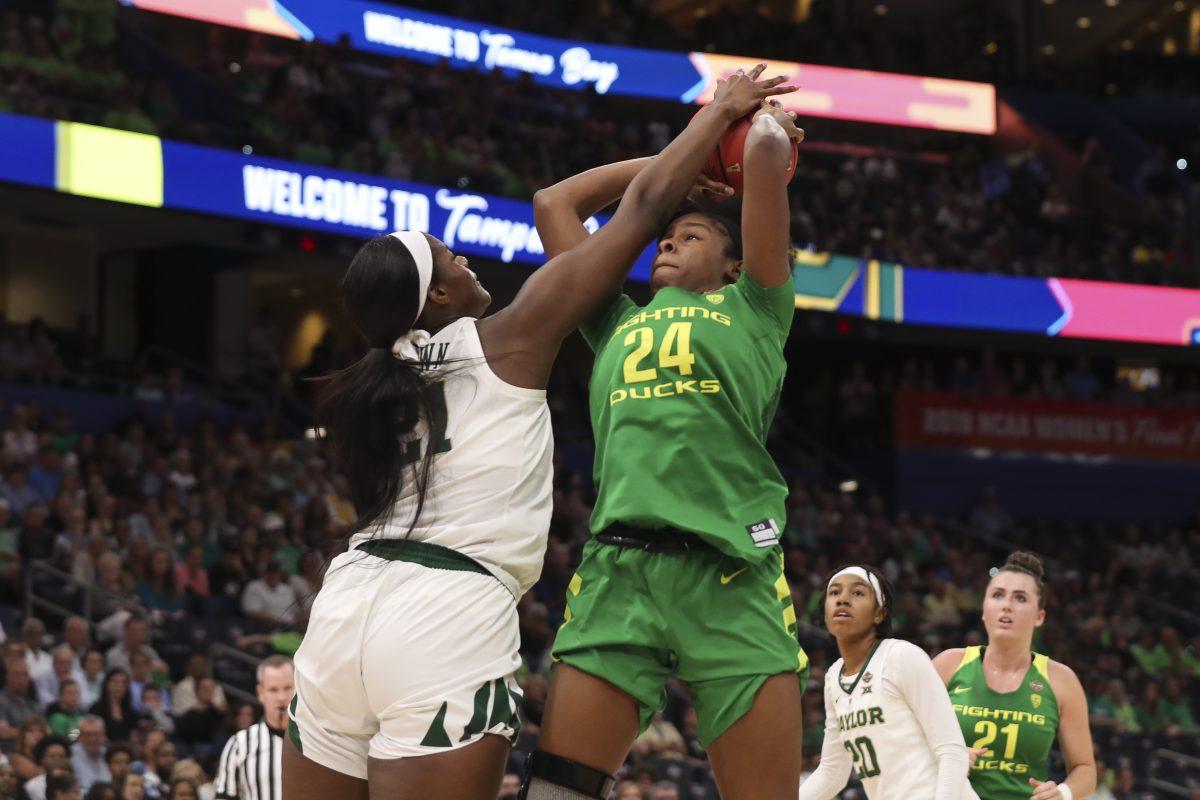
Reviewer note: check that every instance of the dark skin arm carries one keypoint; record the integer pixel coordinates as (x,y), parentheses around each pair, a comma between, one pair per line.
(765,214)
(522,340)
(559,211)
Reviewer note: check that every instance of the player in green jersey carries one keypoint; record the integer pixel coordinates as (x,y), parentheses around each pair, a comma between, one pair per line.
(684,574)
(1011,702)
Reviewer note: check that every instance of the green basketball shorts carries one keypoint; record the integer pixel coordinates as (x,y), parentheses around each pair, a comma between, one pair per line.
(722,624)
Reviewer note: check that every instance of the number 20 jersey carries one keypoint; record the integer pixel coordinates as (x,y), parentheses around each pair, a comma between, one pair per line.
(884,722)
(490,487)
(682,395)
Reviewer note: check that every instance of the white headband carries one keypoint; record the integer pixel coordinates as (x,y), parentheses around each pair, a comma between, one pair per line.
(418,246)
(871,580)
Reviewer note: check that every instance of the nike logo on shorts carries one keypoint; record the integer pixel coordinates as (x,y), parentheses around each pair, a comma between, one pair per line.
(727,578)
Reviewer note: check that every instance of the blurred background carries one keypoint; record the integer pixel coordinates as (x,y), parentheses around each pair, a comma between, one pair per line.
(997,228)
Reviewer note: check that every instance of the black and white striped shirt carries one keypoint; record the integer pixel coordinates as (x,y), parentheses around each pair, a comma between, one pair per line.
(251,765)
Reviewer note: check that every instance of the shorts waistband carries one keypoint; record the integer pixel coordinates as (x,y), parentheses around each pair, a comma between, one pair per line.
(653,540)
(426,554)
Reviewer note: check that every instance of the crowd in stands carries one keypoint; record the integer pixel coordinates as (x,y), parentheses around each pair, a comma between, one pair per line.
(967,208)
(217,535)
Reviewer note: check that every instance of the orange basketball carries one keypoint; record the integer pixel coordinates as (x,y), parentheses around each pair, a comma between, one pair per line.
(725,163)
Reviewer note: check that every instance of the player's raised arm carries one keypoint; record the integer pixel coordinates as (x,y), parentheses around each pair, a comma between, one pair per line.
(560,211)
(765,215)
(567,291)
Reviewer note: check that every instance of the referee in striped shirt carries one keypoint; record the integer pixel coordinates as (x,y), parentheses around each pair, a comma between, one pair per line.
(250,764)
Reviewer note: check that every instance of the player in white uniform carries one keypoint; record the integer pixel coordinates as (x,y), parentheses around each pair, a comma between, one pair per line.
(886,709)
(443,433)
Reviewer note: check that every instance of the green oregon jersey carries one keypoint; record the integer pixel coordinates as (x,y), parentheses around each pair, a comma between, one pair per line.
(682,395)
(1018,727)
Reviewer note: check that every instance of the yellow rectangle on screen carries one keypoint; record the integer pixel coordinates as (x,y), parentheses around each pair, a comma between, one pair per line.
(109,164)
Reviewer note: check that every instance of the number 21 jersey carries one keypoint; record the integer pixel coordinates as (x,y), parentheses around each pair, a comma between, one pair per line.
(490,486)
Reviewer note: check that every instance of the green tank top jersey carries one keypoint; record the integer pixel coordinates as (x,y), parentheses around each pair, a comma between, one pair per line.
(1018,727)
(682,395)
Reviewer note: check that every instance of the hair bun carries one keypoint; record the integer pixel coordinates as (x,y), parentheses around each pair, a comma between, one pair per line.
(1027,561)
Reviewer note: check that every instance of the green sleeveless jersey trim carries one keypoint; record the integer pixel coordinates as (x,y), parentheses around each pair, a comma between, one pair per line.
(682,395)
(1018,727)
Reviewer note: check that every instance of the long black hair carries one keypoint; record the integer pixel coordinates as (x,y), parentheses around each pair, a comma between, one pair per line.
(883,629)
(369,410)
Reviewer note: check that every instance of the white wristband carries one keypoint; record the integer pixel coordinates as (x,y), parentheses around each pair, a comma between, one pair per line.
(1066,792)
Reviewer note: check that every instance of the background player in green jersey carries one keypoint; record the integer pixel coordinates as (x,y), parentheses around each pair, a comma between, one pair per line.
(1011,702)
(684,573)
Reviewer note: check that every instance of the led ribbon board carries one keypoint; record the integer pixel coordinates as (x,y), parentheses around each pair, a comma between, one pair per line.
(834,92)
(145,170)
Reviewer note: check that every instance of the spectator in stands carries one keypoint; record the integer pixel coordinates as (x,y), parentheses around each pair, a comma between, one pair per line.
(510,786)
(45,473)
(62,669)
(64,713)
(119,759)
(190,769)
(665,790)
(183,789)
(186,692)
(1176,707)
(102,791)
(10,558)
(92,679)
(133,639)
(199,727)
(17,492)
(270,600)
(660,740)
(31,731)
(20,443)
(53,754)
(33,634)
(190,575)
(76,637)
(1152,713)
(115,706)
(133,787)
(8,781)
(36,543)
(160,765)
(16,702)
(153,707)
(62,786)
(88,755)
(229,577)
(627,790)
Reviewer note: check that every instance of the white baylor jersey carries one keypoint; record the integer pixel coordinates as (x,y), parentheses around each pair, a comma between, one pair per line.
(889,720)
(489,494)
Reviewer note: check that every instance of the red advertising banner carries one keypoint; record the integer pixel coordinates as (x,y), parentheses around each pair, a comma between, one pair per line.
(959,422)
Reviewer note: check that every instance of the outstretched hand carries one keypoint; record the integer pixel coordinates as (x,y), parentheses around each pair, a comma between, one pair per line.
(743,92)
(786,119)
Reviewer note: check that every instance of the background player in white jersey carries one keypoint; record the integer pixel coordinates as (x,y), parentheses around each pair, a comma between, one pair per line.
(886,709)
(443,432)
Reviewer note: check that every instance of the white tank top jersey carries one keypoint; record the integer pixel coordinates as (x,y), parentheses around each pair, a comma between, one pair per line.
(490,485)
(888,721)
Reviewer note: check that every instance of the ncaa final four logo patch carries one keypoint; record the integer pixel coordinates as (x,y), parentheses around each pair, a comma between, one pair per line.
(1036,686)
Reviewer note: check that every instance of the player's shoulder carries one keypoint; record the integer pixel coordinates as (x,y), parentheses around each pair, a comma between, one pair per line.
(947,662)
(903,650)
(1063,679)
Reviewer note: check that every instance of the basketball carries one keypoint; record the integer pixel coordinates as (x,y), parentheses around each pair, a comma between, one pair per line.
(725,163)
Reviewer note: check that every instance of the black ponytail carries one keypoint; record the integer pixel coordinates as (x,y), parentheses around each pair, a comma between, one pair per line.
(368,411)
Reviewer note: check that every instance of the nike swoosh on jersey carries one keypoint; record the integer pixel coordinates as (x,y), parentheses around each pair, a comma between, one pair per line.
(961,689)
(727,578)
